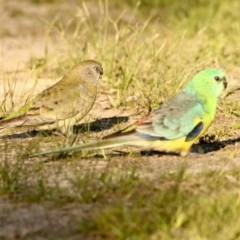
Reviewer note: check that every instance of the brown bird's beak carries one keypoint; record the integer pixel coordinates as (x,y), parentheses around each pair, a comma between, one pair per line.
(100,70)
(225,83)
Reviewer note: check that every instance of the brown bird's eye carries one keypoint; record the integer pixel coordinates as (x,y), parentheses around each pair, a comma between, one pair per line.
(98,70)
(217,78)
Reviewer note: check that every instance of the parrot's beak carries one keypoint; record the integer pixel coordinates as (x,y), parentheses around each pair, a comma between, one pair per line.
(224,83)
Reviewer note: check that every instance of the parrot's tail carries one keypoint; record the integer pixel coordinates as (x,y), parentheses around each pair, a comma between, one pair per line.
(100,144)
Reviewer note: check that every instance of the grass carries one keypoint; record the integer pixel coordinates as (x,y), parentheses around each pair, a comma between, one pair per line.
(148,52)
(166,208)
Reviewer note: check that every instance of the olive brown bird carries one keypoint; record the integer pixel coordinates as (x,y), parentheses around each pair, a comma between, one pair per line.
(61,105)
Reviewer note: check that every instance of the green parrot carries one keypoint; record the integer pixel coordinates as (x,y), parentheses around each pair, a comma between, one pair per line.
(61,105)
(175,125)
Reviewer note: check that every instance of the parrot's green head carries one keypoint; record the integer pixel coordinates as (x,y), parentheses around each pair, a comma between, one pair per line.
(209,81)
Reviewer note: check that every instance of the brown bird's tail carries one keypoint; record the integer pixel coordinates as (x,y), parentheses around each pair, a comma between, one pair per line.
(13,122)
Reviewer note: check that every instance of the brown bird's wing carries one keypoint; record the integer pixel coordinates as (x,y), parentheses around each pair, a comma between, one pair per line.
(56,104)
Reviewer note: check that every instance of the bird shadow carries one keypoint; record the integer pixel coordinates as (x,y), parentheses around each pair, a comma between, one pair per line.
(100,124)
(94,126)
(214,145)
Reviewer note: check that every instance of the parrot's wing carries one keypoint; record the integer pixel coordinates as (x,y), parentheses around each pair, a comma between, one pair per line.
(179,117)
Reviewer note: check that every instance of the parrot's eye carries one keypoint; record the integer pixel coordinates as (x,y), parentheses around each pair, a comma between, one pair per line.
(217,78)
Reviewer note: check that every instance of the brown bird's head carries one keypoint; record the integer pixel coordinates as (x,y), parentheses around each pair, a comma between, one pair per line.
(86,71)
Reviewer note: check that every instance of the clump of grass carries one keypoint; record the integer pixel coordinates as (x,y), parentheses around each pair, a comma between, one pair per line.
(15,95)
(173,207)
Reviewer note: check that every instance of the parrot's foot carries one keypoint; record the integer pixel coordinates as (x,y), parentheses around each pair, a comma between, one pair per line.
(183,153)
(198,150)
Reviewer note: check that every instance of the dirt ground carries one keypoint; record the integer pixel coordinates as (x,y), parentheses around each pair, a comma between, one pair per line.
(22,37)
